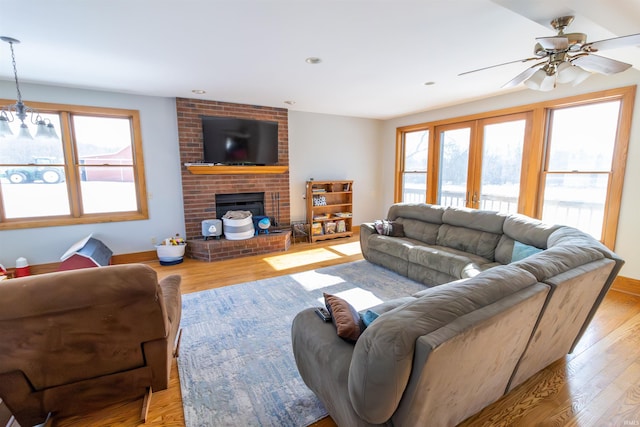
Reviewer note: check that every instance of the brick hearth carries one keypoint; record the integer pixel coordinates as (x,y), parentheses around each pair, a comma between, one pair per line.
(199,190)
(221,249)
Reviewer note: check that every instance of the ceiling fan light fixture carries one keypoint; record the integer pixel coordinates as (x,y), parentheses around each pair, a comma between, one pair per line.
(535,81)
(549,83)
(582,76)
(567,58)
(541,80)
(569,73)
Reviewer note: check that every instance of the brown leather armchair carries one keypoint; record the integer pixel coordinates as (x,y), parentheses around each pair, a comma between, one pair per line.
(73,341)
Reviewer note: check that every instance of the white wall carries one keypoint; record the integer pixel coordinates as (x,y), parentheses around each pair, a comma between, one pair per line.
(326,147)
(162,169)
(628,226)
(320,146)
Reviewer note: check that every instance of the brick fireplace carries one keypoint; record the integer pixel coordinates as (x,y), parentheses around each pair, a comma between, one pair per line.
(199,191)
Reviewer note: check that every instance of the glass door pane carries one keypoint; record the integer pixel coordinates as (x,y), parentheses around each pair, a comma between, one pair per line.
(501,166)
(454,166)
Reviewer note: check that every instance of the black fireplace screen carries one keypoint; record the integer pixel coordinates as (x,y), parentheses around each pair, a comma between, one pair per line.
(252,202)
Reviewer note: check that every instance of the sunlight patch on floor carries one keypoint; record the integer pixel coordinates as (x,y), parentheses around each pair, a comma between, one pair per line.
(311,280)
(347,249)
(358,298)
(297,259)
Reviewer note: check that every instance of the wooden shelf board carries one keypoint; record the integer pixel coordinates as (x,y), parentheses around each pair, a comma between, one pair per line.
(331,218)
(197,169)
(331,236)
(332,205)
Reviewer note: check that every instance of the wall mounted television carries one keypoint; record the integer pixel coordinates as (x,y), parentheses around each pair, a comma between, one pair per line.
(235,141)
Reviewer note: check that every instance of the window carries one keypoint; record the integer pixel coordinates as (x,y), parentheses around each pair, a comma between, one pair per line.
(90,170)
(474,164)
(579,163)
(414,166)
(562,160)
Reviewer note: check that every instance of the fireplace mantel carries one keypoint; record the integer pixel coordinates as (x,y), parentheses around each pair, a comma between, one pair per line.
(209,169)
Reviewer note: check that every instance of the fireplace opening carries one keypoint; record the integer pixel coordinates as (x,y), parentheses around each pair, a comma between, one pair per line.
(252,202)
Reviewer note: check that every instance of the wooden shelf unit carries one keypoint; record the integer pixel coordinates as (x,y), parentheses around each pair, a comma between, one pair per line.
(329,204)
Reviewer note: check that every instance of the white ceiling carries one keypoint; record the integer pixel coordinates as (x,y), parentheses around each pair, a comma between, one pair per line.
(376,54)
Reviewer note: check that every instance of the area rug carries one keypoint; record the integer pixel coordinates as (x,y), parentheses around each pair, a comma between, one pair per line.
(236,363)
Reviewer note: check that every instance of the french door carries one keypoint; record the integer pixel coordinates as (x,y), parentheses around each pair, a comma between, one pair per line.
(481,162)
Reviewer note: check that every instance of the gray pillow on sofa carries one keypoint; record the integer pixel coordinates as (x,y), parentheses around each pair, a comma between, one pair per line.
(521,251)
(388,228)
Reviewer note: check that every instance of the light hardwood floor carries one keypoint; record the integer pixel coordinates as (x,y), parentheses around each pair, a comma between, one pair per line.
(597,385)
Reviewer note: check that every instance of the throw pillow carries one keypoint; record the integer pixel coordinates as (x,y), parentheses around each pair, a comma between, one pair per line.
(521,251)
(388,228)
(368,317)
(346,319)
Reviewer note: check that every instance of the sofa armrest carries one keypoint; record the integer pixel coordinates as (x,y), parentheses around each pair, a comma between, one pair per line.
(323,360)
(159,353)
(366,230)
(172,299)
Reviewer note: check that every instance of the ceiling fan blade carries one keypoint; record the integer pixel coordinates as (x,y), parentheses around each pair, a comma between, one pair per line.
(614,43)
(553,43)
(600,64)
(499,65)
(521,77)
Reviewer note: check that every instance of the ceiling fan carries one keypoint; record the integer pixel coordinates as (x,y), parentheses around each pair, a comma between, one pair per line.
(567,58)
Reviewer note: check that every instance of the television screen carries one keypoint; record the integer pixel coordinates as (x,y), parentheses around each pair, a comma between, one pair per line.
(233,141)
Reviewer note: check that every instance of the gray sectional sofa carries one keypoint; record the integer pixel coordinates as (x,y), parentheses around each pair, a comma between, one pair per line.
(505,296)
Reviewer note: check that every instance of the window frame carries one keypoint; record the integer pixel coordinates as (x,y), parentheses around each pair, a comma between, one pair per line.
(534,152)
(72,167)
(401,157)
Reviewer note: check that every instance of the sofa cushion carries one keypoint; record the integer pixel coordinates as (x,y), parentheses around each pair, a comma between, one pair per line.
(570,236)
(424,232)
(557,260)
(504,249)
(488,221)
(395,246)
(382,357)
(453,262)
(427,291)
(528,230)
(419,211)
(481,243)
(346,319)
(391,304)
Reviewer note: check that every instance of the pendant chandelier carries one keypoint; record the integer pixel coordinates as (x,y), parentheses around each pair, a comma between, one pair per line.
(8,113)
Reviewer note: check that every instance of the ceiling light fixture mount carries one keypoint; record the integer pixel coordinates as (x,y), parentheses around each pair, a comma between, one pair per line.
(313,60)
(8,113)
